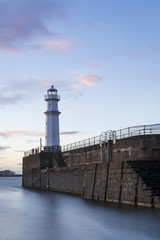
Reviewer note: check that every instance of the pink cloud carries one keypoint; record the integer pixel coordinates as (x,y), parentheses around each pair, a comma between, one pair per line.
(30,132)
(77,83)
(21,133)
(90,80)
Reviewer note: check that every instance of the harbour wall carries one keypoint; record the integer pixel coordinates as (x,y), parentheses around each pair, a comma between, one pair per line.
(122,171)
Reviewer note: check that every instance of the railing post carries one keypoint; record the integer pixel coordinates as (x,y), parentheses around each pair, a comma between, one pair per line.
(128,132)
(144,130)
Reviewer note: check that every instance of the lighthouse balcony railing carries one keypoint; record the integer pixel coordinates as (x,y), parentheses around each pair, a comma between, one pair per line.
(52,96)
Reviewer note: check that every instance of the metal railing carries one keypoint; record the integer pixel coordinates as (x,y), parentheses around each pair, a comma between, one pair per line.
(40,149)
(114,135)
(33,151)
(104,137)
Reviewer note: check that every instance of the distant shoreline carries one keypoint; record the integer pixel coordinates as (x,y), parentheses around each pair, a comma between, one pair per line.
(12,176)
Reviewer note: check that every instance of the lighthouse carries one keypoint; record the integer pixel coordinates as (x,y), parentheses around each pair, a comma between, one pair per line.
(52,119)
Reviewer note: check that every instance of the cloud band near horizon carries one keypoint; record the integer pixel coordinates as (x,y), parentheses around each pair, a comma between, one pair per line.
(29,132)
(3,148)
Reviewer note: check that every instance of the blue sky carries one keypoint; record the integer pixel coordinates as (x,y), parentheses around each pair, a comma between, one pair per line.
(102,55)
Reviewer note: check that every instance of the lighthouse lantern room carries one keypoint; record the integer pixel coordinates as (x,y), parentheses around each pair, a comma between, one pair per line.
(52,120)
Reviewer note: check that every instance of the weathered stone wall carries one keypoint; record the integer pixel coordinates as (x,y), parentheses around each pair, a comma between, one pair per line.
(30,164)
(135,182)
(135,148)
(145,147)
(128,178)
(90,154)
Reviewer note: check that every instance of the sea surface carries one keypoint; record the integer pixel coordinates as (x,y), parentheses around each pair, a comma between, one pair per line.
(27,214)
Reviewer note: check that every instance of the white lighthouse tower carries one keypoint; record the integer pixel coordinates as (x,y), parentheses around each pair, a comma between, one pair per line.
(52,120)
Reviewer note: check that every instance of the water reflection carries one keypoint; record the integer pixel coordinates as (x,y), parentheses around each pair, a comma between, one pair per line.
(40,215)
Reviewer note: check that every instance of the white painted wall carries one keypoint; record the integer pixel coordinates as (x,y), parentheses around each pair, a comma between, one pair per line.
(52,118)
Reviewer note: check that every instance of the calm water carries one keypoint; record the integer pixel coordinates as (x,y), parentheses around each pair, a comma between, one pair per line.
(40,215)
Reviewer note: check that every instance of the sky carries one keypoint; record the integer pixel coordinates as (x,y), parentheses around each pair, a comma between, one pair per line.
(103,57)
